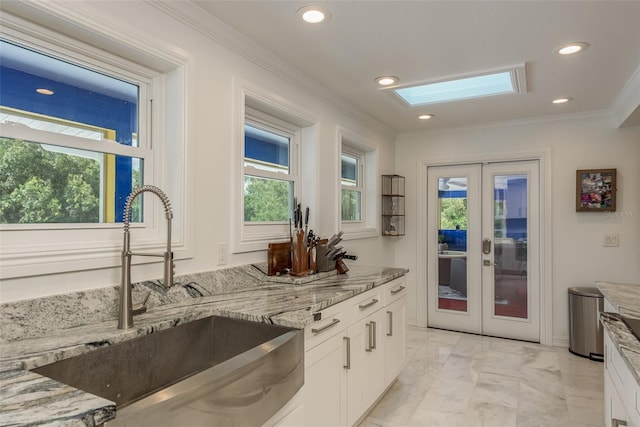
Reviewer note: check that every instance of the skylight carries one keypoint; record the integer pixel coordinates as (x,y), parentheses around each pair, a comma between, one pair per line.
(452,90)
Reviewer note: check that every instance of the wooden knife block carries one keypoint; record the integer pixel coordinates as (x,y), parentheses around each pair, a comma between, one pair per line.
(300,256)
(278,258)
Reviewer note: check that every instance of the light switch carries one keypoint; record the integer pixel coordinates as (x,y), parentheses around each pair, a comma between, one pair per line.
(611,240)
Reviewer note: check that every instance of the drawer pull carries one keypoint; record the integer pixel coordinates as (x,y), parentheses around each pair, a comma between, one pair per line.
(617,423)
(396,290)
(348,341)
(369,304)
(369,329)
(325,327)
(373,335)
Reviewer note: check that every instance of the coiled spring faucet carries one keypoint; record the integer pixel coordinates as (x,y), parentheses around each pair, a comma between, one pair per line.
(125,317)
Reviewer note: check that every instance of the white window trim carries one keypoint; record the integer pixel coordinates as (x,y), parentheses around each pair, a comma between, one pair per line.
(272,124)
(370,224)
(260,104)
(58,248)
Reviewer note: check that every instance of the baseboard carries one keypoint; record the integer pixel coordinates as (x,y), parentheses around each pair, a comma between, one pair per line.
(560,342)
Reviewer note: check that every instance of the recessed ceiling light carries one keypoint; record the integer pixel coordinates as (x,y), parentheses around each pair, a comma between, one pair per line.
(571,48)
(426,116)
(313,14)
(386,80)
(561,100)
(43,91)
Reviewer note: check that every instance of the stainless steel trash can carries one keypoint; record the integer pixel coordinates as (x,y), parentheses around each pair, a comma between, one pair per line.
(585,330)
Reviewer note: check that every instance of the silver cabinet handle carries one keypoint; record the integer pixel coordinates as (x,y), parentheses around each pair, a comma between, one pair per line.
(390,330)
(325,327)
(617,423)
(369,327)
(398,289)
(348,344)
(373,334)
(369,304)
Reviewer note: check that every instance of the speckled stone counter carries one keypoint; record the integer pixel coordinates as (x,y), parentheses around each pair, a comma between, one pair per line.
(626,298)
(38,332)
(624,340)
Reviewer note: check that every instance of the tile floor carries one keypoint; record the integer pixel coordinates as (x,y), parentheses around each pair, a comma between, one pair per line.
(455,379)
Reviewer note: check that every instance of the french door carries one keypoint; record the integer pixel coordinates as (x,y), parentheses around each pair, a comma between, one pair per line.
(483,250)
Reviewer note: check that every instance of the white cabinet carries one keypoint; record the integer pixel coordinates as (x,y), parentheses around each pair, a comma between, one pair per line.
(365,379)
(621,391)
(325,377)
(352,354)
(395,337)
(325,385)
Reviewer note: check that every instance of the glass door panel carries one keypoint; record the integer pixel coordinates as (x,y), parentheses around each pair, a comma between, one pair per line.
(453,251)
(452,243)
(510,245)
(511,267)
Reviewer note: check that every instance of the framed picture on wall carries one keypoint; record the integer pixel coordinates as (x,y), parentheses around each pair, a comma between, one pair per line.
(596,190)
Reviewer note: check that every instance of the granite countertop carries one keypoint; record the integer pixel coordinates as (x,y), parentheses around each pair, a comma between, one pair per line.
(624,340)
(29,398)
(626,298)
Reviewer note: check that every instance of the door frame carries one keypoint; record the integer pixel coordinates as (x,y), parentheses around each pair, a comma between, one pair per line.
(546,260)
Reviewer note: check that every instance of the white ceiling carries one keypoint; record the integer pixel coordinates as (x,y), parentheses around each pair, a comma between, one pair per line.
(420,41)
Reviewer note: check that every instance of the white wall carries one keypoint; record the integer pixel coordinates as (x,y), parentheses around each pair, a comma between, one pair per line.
(211,72)
(579,258)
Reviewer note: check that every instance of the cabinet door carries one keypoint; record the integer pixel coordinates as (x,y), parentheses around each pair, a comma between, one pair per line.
(615,414)
(325,384)
(365,379)
(395,337)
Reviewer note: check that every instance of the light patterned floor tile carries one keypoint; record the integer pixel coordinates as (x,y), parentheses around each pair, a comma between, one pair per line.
(455,379)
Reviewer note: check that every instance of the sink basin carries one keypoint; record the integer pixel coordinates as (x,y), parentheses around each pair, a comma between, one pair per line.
(213,371)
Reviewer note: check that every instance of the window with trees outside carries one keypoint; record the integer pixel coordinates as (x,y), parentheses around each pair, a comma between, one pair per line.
(270,169)
(352,184)
(69,146)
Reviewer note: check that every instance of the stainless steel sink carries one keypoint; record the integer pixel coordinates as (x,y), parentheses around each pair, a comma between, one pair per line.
(215,371)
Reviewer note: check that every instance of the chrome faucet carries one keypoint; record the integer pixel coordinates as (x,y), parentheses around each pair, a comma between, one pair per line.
(127,310)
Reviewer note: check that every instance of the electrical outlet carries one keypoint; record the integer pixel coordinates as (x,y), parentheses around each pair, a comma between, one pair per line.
(611,240)
(223,250)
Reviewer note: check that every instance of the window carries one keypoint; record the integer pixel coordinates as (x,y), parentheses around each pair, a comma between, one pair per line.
(352,184)
(269,169)
(270,179)
(75,138)
(272,167)
(510,81)
(70,151)
(358,190)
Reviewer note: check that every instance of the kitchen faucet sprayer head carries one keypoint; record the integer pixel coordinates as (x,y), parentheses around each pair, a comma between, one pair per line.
(136,192)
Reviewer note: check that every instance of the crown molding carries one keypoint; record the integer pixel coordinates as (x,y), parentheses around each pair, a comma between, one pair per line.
(600,114)
(626,108)
(220,32)
(83,24)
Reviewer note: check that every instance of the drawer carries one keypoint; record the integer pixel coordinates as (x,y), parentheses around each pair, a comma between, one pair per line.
(365,304)
(394,290)
(332,320)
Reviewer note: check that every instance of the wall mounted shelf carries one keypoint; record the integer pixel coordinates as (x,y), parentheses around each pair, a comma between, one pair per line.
(392,205)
